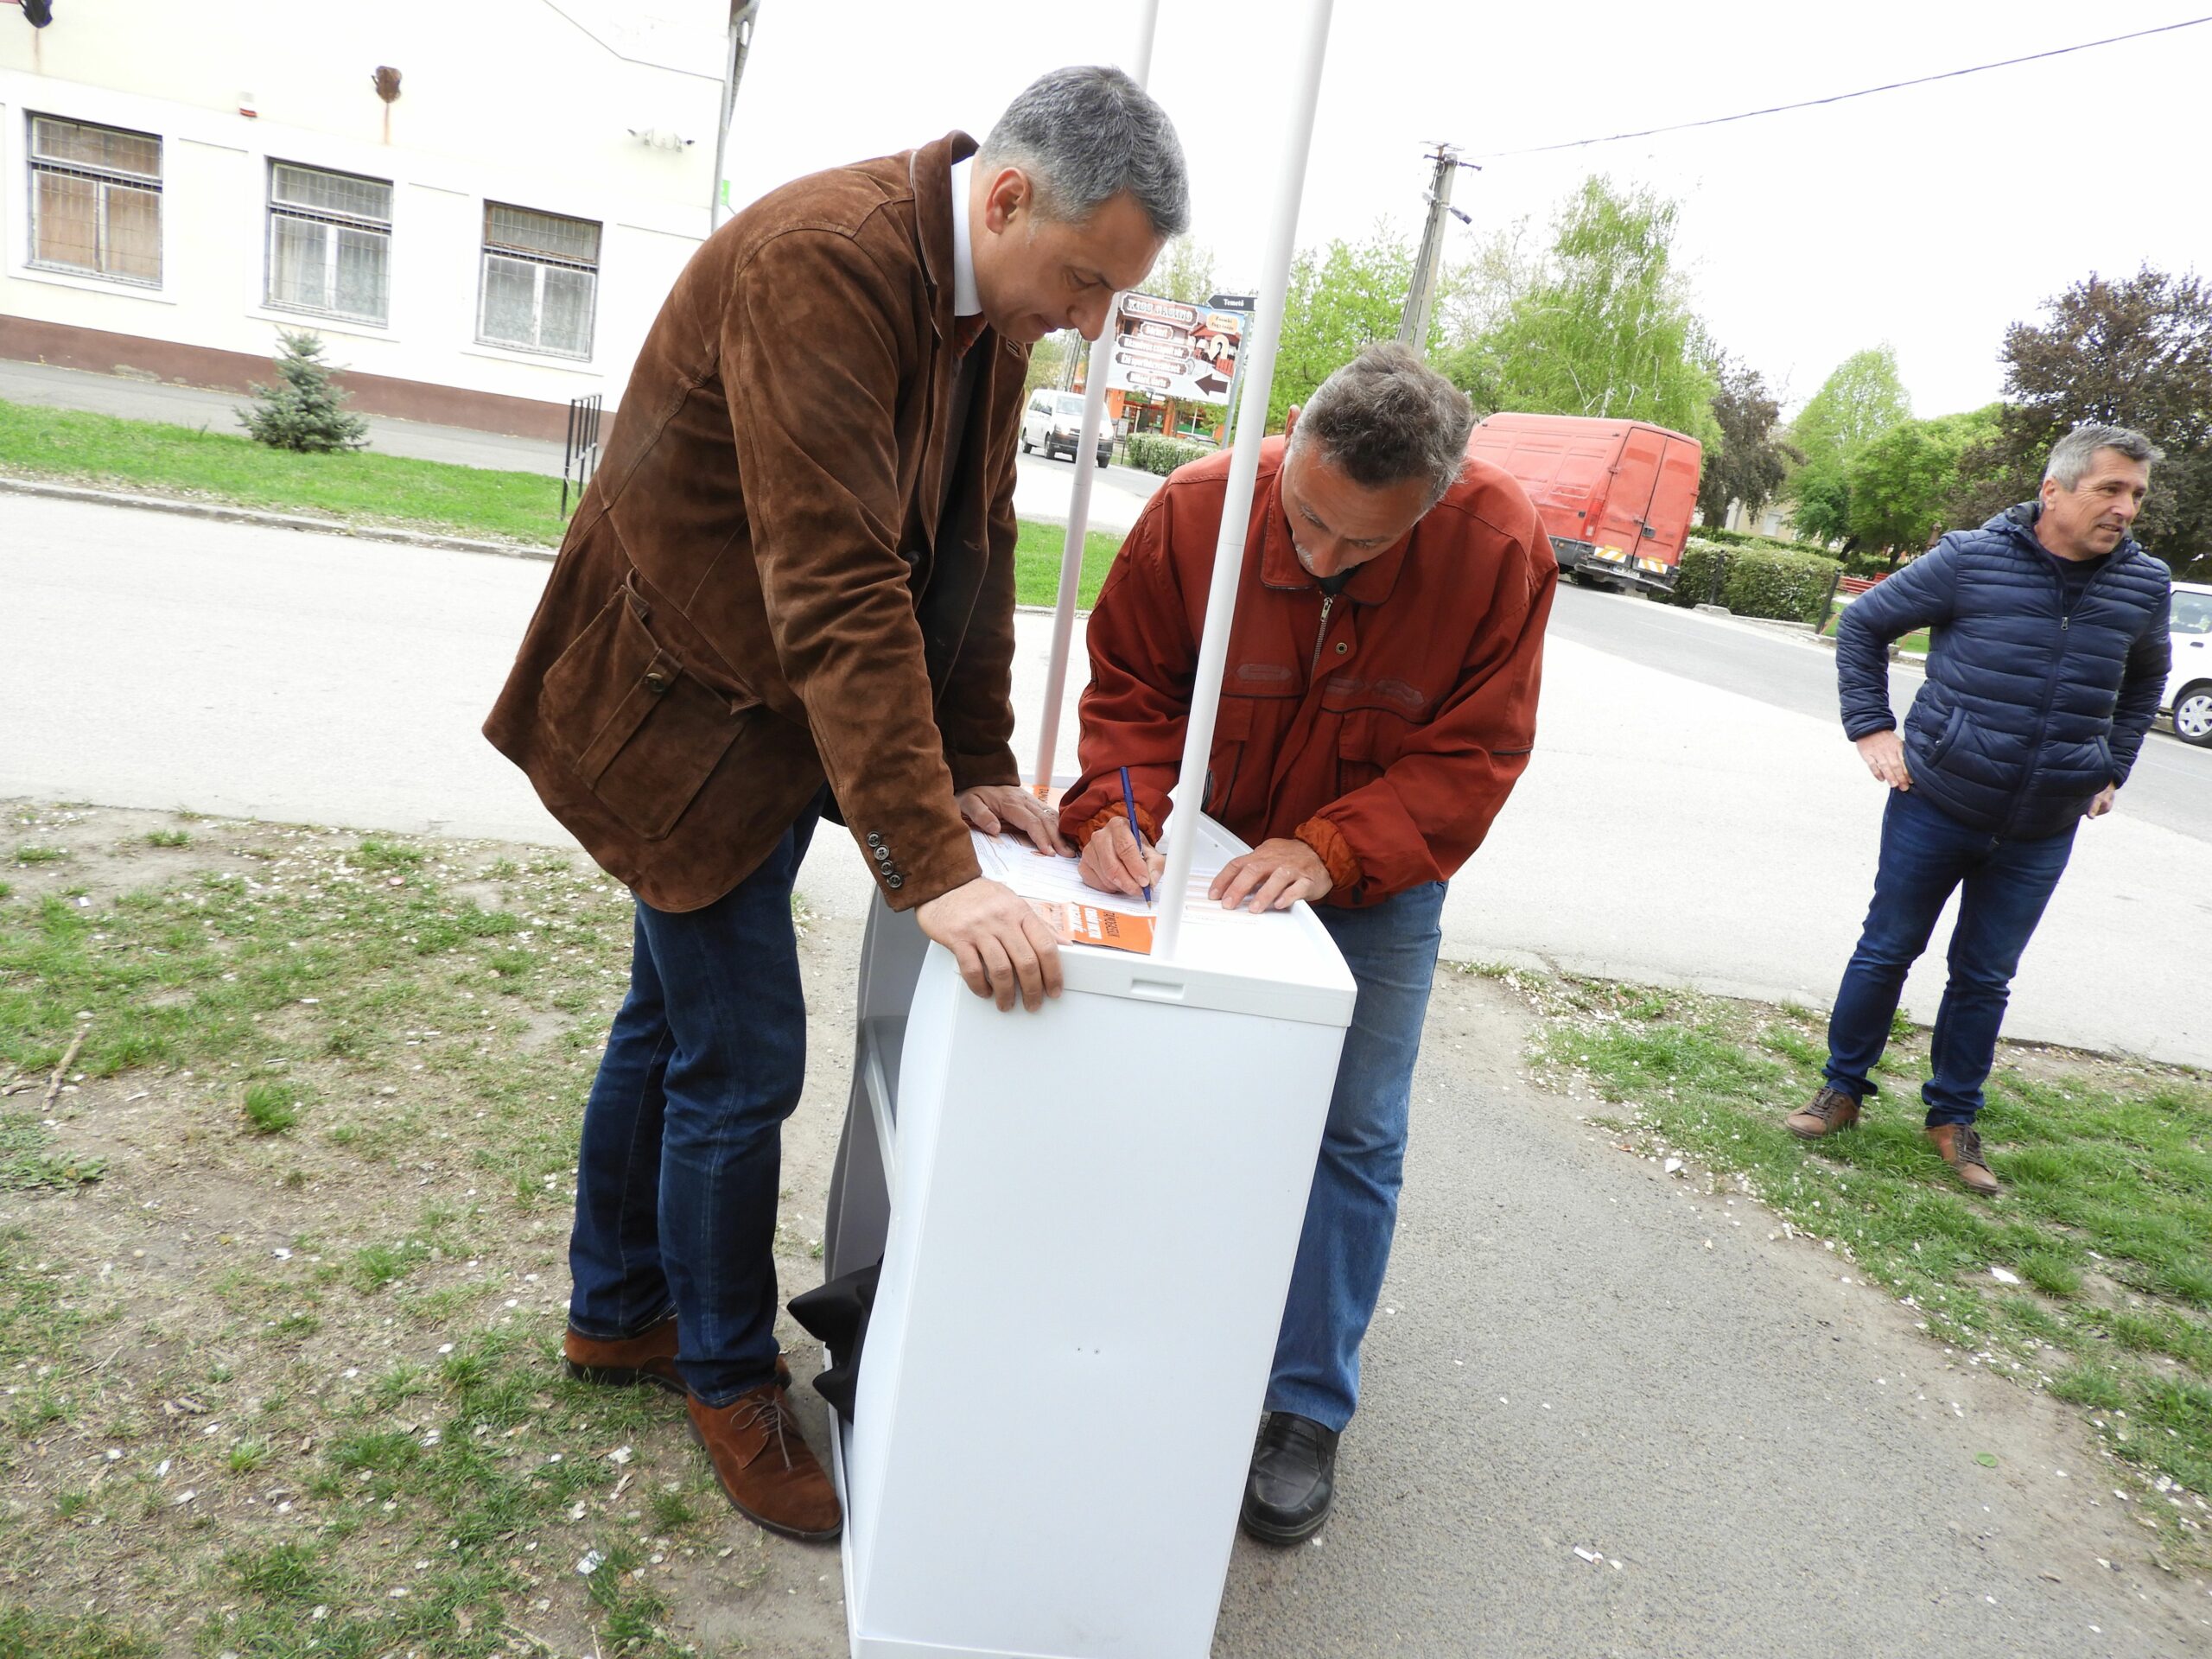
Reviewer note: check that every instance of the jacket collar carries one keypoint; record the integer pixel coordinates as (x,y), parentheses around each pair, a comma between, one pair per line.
(2019,523)
(1370,583)
(929,170)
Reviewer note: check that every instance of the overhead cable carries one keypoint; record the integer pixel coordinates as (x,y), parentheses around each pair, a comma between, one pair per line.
(1843,98)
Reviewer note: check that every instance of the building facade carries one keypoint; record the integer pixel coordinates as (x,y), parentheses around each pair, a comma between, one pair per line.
(479,205)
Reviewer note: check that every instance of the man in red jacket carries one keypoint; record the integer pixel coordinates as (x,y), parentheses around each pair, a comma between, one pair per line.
(1379,703)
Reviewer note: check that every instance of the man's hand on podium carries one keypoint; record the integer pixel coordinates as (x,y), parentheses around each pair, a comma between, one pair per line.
(1274,875)
(995,807)
(999,944)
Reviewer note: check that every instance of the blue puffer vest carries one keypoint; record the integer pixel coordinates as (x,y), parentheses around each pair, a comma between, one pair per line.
(2029,710)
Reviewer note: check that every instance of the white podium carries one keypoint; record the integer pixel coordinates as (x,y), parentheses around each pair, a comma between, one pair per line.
(1087,1218)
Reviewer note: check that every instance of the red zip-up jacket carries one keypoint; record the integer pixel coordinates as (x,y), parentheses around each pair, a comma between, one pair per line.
(1383,727)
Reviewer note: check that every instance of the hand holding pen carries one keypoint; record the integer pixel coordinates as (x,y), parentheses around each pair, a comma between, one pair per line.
(1136,832)
(1119,860)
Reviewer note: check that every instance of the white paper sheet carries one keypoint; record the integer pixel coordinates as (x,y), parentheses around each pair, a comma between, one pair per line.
(1015,861)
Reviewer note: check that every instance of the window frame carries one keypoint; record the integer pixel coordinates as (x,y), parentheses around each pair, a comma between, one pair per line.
(105,179)
(332,221)
(540,262)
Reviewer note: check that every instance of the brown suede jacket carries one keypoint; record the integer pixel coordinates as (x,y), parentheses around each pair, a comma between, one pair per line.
(1384,728)
(759,591)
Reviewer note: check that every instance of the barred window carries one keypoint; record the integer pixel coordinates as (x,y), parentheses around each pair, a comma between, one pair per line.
(96,201)
(329,243)
(540,281)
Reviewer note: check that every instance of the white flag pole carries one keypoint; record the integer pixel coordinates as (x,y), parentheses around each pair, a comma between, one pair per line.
(1243,471)
(1138,69)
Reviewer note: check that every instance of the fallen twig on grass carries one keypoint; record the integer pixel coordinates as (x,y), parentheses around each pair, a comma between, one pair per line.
(97,1365)
(54,1082)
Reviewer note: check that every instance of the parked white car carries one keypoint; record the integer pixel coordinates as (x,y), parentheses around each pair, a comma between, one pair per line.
(2189,688)
(1054,423)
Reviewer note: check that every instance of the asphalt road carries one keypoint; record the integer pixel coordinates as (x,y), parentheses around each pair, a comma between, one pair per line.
(1669,831)
(2171,784)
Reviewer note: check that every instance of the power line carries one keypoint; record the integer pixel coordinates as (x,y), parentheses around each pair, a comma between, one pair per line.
(1844,98)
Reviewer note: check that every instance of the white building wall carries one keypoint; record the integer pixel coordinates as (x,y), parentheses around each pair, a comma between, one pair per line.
(526,102)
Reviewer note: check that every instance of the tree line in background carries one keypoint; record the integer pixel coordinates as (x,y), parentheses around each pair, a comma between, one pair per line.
(1598,320)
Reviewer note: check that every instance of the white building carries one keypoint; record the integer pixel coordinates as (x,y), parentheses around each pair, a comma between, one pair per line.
(480,205)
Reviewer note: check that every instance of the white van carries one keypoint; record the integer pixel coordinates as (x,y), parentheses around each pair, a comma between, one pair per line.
(1054,423)
(2189,687)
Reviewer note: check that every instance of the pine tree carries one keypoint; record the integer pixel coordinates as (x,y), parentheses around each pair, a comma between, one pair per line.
(306,411)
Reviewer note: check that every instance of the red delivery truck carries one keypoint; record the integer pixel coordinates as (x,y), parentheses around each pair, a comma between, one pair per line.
(1616,496)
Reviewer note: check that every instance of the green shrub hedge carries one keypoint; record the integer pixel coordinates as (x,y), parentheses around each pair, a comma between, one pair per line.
(1745,538)
(1756,581)
(1162,455)
(1876,564)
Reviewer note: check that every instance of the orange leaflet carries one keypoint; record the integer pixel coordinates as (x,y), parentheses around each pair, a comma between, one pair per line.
(1116,930)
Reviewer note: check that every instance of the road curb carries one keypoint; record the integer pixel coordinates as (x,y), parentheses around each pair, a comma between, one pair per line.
(1772,623)
(225,513)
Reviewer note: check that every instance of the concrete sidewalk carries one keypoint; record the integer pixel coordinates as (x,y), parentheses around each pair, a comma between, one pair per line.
(217,411)
(1757,1454)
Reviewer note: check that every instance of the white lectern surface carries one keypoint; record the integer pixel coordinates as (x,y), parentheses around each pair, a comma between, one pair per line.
(1093,1214)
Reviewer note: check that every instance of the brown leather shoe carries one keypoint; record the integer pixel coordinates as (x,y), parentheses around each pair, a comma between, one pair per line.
(766,1468)
(648,1357)
(1960,1145)
(1828,1111)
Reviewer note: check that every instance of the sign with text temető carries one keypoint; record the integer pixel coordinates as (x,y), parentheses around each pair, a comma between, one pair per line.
(1174,349)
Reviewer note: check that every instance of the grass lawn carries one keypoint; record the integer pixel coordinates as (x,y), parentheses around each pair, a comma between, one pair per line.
(364,487)
(360,487)
(280,1260)
(2091,1276)
(1036,563)
(1916,642)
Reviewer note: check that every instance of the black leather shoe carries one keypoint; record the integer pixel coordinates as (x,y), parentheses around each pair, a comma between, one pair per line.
(1293,1479)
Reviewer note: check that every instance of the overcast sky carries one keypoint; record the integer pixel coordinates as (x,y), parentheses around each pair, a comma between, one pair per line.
(1929,217)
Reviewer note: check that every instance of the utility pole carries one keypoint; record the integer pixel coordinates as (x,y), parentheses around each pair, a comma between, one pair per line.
(742,13)
(1421,299)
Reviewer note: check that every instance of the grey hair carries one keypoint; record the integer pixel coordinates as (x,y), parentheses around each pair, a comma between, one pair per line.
(2070,456)
(1086,134)
(1386,416)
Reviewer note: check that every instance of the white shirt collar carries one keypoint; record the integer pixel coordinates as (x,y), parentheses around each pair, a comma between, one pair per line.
(964,303)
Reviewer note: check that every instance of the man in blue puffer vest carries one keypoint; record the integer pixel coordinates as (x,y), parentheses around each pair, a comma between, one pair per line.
(2047,655)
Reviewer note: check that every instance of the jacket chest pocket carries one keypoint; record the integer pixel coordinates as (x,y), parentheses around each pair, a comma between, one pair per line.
(1367,740)
(641,731)
(1232,737)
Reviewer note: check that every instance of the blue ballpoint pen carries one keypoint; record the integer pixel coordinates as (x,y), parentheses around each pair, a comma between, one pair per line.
(1130,801)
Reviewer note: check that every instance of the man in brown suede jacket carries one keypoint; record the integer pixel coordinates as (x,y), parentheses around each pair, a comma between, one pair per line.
(789,591)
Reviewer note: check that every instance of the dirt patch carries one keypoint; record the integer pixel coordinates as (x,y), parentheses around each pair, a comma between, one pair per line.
(272,1386)
(234,1360)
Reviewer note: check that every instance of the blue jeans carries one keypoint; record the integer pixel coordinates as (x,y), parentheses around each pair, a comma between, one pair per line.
(1391,951)
(683,1138)
(1926,853)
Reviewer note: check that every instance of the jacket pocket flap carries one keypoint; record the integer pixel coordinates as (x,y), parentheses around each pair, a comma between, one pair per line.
(641,731)
(1373,735)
